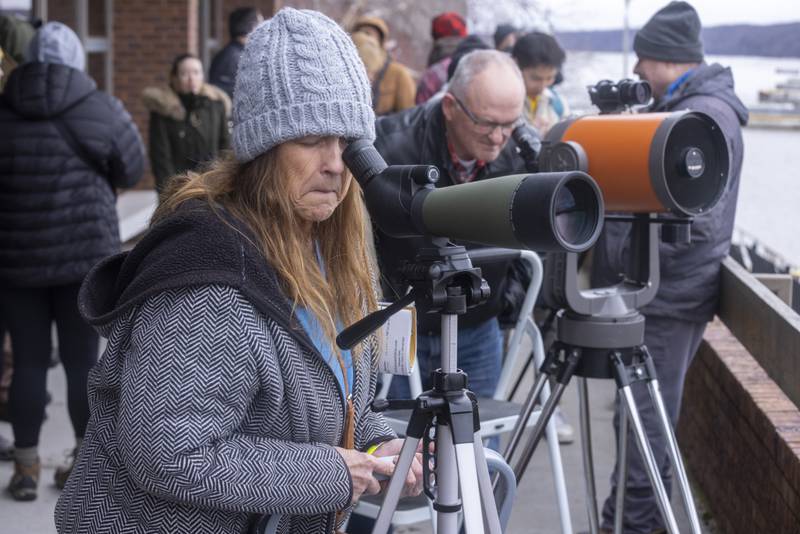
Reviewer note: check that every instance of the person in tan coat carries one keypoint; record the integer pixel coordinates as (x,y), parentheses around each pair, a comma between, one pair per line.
(393,86)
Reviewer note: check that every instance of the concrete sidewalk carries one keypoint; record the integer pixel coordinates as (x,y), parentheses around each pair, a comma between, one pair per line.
(534,512)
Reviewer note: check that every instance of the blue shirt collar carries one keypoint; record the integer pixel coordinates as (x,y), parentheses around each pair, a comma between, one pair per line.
(678,82)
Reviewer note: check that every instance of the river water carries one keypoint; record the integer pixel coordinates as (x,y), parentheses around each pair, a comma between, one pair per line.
(769,194)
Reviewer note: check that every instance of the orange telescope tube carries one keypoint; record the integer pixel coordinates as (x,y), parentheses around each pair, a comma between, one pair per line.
(645,163)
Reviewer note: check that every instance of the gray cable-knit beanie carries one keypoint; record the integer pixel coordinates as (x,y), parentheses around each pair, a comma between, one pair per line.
(299,75)
(672,34)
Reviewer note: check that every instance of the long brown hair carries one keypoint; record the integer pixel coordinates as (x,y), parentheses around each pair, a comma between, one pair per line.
(256,193)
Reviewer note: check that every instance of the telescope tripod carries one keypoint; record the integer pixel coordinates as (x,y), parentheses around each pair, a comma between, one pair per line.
(605,347)
(460,463)
(442,280)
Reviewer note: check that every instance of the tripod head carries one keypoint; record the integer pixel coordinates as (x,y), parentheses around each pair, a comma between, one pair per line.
(442,279)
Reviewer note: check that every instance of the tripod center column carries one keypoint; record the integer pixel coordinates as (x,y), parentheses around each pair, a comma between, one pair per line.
(449,342)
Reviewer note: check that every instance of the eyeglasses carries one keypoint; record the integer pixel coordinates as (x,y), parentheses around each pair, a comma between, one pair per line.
(483,126)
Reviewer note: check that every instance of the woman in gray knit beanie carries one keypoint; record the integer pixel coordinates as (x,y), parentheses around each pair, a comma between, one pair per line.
(222,402)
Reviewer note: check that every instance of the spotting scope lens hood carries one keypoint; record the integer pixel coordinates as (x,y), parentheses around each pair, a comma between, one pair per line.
(559,212)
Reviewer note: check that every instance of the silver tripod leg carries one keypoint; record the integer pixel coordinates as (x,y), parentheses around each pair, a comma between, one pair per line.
(527,411)
(538,430)
(622,467)
(395,487)
(675,455)
(653,472)
(447,473)
(491,516)
(586,450)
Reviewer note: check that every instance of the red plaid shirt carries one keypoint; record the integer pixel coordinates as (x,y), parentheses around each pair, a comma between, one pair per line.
(462,175)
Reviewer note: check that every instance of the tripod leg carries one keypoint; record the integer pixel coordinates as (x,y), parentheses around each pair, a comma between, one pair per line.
(588,462)
(392,496)
(538,431)
(447,503)
(525,415)
(565,372)
(467,477)
(674,454)
(653,472)
(622,468)
(557,468)
(490,514)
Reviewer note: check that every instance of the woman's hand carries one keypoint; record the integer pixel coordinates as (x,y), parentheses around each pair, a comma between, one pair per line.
(361,466)
(413,483)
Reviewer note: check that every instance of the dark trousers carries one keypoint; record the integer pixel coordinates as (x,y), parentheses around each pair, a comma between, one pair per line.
(672,344)
(28,314)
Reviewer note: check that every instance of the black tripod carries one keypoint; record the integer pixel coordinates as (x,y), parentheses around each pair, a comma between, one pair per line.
(443,280)
(601,335)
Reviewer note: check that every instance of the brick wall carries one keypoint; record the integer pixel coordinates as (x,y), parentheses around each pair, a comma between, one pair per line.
(148,34)
(740,435)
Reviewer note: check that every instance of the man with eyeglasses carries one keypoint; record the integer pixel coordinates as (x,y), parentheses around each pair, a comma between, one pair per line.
(467,134)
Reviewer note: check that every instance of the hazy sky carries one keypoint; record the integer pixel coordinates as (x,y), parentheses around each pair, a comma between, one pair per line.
(606,14)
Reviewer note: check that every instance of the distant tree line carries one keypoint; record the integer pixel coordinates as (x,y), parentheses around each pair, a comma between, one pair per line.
(776,40)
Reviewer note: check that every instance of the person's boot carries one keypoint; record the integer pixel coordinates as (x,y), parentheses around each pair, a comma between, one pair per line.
(24,481)
(6,450)
(63,471)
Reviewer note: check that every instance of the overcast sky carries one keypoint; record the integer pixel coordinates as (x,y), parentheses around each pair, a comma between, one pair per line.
(607,14)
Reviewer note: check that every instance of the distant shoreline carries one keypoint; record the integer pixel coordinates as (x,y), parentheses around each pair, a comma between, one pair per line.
(772,40)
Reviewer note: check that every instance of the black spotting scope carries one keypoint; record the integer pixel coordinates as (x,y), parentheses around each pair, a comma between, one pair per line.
(612,97)
(556,211)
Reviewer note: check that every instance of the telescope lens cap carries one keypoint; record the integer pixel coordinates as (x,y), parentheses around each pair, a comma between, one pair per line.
(693,162)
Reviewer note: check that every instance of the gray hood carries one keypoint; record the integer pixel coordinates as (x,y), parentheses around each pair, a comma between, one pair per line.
(709,80)
(57,43)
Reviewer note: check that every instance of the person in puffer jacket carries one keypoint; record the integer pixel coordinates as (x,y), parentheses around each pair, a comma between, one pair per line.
(65,149)
(222,402)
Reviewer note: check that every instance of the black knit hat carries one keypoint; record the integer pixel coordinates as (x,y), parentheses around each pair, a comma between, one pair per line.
(672,34)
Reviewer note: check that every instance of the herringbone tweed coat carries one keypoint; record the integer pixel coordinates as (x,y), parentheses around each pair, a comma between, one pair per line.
(209,408)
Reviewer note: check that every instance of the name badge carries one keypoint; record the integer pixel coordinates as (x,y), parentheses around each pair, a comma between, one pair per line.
(398,342)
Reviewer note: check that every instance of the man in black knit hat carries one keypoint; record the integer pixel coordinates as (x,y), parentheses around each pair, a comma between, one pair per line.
(670,53)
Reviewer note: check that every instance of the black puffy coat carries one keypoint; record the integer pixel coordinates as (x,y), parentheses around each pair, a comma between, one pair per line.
(224,66)
(58,211)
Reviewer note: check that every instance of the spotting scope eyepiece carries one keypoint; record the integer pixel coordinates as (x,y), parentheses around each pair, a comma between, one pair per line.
(612,97)
(529,145)
(561,211)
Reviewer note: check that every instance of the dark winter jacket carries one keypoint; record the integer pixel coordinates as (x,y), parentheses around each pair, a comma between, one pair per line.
(417,136)
(211,406)
(224,66)
(185,131)
(57,210)
(689,272)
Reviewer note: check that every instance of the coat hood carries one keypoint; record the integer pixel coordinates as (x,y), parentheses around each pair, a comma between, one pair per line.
(57,43)
(195,246)
(164,101)
(708,80)
(43,90)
